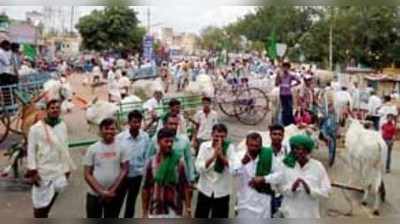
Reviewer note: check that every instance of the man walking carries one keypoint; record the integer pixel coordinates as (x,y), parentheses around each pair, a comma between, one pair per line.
(374,103)
(49,163)
(388,134)
(387,108)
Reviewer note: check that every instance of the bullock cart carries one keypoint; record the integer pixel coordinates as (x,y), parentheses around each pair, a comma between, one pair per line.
(18,112)
(17,102)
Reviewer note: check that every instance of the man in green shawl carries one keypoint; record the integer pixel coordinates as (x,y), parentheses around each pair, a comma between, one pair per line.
(165,187)
(256,168)
(304,180)
(181,145)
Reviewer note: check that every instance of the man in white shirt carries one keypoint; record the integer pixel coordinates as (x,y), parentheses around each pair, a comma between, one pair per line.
(152,106)
(343,102)
(387,108)
(121,63)
(355,94)
(153,103)
(254,197)
(124,84)
(214,163)
(114,95)
(174,110)
(280,151)
(204,119)
(5,63)
(96,75)
(374,103)
(49,163)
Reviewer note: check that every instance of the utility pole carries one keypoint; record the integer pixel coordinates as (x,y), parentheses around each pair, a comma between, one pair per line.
(331,40)
(148,20)
(72,20)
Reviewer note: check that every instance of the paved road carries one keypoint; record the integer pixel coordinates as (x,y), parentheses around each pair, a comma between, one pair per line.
(17,202)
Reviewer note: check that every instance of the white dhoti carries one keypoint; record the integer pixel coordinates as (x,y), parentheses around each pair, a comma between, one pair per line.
(245,213)
(44,194)
(171,215)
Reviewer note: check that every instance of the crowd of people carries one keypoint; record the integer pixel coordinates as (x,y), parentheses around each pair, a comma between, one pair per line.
(166,168)
(269,181)
(15,65)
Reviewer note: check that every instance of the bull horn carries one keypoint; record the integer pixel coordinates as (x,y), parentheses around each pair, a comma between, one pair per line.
(95,100)
(79,102)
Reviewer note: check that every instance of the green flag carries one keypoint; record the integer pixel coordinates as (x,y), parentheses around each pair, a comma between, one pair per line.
(271,45)
(29,51)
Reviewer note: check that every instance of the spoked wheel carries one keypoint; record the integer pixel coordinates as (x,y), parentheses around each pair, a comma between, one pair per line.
(4,120)
(252,106)
(226,98)
(4,126)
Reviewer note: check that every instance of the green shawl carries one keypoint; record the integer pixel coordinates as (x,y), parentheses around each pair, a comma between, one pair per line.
(264,166)
(52,122)
(166,173)
(219,167)
(164,117)
(290,160)
(264,163)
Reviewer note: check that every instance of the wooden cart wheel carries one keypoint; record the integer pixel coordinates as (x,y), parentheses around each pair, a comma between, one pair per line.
(226,98)
(4,127)
(252,106)
(4,120)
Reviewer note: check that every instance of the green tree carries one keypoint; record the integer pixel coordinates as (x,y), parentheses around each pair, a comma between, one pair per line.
(212,38)
(4,18)
(368,34)
(257,46)
(114,28)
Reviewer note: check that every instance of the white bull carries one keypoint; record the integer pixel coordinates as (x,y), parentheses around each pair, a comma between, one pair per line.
(145,88)
(60,90)
(100,109)
(366,153)
(290,131)
(202,86)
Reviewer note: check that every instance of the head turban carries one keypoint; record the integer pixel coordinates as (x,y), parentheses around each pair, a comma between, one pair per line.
(303,141)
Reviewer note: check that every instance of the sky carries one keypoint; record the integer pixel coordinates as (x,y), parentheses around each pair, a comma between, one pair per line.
(177,14)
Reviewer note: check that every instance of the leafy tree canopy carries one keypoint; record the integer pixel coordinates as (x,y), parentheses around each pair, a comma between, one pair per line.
(114,28)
